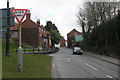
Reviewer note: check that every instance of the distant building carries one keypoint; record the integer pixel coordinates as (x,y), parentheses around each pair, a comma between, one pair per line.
(72,38)
(33,34)
(66,43)
(62,42)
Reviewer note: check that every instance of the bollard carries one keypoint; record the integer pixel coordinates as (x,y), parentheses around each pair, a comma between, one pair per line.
(16,50)
(33,50)
(25,51)
(20,59)
(38,50)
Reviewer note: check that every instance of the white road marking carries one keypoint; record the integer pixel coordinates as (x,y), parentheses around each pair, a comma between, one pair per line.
(109,76)
(68,59)
(91,66)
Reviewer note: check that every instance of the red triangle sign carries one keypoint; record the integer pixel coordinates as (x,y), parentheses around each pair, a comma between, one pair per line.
(19,14)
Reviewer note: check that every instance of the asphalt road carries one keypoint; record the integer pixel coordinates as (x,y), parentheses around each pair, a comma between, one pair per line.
(67,65)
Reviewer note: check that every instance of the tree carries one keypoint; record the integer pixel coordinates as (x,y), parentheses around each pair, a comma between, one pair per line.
(53,31)
(56,36)
(101,25)
(50,26)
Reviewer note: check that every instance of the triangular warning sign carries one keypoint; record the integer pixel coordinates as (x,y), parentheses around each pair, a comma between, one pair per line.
(19,14)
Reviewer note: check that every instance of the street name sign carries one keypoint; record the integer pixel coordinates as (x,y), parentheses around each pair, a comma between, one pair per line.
(19,14)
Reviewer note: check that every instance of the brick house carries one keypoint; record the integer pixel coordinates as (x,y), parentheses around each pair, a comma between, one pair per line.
(14,33)
(71,38)
(30,32)
(34,34)
(62,42)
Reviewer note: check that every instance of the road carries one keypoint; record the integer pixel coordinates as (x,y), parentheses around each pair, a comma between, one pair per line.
(67,65)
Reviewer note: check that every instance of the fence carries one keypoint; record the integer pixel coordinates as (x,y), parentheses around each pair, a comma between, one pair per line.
(39,51)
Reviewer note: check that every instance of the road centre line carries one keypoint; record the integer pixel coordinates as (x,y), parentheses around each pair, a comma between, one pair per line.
(91,66)
(68,59)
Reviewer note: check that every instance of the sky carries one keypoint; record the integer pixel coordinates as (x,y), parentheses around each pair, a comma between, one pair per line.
(62,13)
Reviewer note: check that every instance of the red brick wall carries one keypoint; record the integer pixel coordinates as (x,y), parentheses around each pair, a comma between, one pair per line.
(30,36)
(62,42)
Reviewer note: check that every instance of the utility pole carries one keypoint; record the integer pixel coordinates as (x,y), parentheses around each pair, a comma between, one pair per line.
(8,30)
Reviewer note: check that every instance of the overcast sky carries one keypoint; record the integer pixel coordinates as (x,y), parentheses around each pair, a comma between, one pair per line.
(60,12)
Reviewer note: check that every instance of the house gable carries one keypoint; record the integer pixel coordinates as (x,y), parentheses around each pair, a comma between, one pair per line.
(73,32)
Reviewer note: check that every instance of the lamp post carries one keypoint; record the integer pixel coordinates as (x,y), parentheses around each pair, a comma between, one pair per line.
(8,30)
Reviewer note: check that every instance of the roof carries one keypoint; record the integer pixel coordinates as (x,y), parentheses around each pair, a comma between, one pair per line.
(73,33)
(15,27)
(74,30)
(48,33)
(29,24)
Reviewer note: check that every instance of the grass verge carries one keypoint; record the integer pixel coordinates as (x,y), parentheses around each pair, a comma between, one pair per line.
(34,66)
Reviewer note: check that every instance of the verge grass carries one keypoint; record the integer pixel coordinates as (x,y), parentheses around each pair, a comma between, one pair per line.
(34,65)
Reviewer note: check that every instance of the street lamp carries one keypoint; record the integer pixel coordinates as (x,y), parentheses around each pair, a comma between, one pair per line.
(8,30)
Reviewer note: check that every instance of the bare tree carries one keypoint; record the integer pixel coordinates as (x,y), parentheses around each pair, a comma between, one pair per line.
(81,19)
(94,14)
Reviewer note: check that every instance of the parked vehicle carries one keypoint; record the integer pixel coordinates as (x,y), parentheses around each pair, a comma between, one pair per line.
(77,50)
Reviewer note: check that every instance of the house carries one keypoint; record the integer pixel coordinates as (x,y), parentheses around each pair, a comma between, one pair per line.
(30,32)
(34,34)
(14,33)
(72,38)
(62,42)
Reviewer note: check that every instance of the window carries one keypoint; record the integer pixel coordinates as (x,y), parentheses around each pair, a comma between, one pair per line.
(15,34)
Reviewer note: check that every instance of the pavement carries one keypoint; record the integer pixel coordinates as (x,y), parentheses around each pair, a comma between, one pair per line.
(109,59)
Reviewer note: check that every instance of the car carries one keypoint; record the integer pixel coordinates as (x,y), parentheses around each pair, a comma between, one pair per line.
(77,50)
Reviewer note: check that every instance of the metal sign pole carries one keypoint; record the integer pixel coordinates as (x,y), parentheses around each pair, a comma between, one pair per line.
(19,13)
(20,51)
(8,30)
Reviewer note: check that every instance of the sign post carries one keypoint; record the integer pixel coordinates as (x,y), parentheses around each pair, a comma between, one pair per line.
(19,14)
(8,30)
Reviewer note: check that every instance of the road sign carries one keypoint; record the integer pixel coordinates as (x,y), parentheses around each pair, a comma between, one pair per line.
(78,38)
(19,14)
(4,17)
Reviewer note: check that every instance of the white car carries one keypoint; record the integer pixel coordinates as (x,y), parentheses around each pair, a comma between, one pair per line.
(77,50)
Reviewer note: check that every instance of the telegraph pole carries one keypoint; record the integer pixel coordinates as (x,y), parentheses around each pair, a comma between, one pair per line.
(8,30)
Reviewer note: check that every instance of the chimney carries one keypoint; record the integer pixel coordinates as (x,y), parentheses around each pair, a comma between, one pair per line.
(38,22)
(28,15)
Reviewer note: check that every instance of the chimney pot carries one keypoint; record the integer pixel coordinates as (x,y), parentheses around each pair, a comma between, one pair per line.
(28,15)
(38,22)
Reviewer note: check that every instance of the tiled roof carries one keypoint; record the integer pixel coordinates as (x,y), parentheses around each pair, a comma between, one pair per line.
(48,33)
(28,23)
(15,28)
(75,31)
